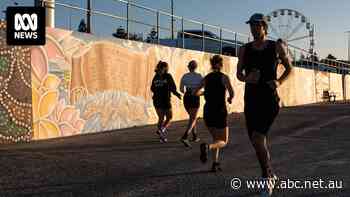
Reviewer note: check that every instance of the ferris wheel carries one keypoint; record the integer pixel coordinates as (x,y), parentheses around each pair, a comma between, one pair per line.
(293,27)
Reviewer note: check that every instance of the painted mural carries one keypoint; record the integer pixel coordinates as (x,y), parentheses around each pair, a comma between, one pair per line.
(83,84)
(15,91)
(78,83)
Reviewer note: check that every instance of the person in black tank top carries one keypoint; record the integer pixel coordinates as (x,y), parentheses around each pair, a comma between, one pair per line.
(215,85)
(257,67)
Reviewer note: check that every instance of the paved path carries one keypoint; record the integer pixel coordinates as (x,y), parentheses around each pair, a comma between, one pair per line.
(309,142)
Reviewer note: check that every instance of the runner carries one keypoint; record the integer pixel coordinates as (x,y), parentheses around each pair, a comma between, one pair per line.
(257,67)
(215,113)
(191,81)
(162,86)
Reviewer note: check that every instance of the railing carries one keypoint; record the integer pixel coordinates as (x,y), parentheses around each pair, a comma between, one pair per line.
(216,44)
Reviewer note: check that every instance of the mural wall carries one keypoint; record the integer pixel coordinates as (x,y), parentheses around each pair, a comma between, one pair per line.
(15,91)
(81,84)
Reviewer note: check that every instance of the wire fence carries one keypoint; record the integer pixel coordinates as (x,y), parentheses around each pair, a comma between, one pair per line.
(185,33)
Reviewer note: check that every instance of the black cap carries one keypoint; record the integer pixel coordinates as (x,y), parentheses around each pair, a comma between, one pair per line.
(257,17)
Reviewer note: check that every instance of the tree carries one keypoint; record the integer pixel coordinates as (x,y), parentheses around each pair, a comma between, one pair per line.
(136,37)
(331,57)
(82,26)
(152,36)
(120,33)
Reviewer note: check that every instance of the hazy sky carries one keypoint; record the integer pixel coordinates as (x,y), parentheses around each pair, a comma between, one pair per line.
(331,17)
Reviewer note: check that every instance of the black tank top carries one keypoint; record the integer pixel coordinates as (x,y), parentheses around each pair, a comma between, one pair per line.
(264,60)
(214,90)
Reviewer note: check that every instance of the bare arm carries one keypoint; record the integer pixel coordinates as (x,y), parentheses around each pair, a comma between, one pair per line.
(227,84)
(173,87)
(240,75)
(286,62)
(182,85)
(198,91)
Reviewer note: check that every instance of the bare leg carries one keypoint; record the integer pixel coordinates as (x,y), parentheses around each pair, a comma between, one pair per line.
(160,114)
(168,118)
(259,142)
(191,123)
(220,137)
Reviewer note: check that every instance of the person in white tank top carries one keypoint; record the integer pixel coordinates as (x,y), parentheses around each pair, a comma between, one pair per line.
(189,82)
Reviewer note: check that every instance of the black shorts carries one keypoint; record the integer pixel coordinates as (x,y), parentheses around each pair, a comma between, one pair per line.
(215,116)
(191,101)
(161,104)
(261,106)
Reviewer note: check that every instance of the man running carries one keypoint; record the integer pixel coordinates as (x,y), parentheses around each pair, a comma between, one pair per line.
(162,86)
(257,67)
(215,86)
(190,81)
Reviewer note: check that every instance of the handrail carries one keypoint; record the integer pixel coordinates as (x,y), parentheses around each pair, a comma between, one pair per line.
(221,40)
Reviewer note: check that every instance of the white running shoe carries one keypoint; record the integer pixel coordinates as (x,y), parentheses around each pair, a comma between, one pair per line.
(164,131)
(271,182)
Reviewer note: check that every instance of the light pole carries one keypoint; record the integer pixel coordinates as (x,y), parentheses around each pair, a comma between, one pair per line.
(88,17)
(172,19)
(348,32)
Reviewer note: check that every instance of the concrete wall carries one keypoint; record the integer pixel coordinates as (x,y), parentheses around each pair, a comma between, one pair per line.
(83,84)
(347,86)
(15,91)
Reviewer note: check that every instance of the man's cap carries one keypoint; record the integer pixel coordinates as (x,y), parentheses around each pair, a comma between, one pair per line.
(257,17)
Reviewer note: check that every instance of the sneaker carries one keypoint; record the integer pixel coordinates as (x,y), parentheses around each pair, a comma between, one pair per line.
(204,148)
(216,167)
(197,139)
(186,142)
(164,131)
(271,182)
(162,137)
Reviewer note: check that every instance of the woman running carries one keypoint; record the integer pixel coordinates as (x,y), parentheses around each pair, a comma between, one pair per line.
(215,113)
(191,81)
(162,86)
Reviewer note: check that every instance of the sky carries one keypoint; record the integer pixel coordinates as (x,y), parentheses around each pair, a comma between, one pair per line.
(331,17)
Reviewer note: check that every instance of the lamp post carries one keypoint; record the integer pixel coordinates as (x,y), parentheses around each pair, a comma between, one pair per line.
(88,17)
(348,32)
(172,19)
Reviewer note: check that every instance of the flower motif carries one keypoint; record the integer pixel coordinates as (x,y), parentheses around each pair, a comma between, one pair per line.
(51,116)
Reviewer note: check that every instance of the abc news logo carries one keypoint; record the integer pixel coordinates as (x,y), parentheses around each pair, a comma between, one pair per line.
(25,25)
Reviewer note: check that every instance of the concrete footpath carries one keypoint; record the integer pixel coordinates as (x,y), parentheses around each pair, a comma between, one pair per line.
(308,143)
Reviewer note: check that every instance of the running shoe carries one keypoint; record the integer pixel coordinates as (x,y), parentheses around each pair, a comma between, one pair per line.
(164,131)
(204,148)
(271,182)
(162,137)
(195,139)
(186,142)
(216,167)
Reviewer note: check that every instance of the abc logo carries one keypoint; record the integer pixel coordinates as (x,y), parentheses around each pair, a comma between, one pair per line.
(26,25)
(32,22)
(26,22)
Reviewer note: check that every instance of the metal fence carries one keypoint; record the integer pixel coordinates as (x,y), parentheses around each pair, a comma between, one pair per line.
(227,41)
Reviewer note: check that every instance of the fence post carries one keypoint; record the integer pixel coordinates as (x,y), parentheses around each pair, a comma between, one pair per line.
(220,40)
(183,32)
(203,47)
(236,48)
(158,32)
(127,19)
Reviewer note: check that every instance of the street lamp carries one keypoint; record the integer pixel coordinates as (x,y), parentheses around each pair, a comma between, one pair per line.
(348,45)
(172,19)
(88,17)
